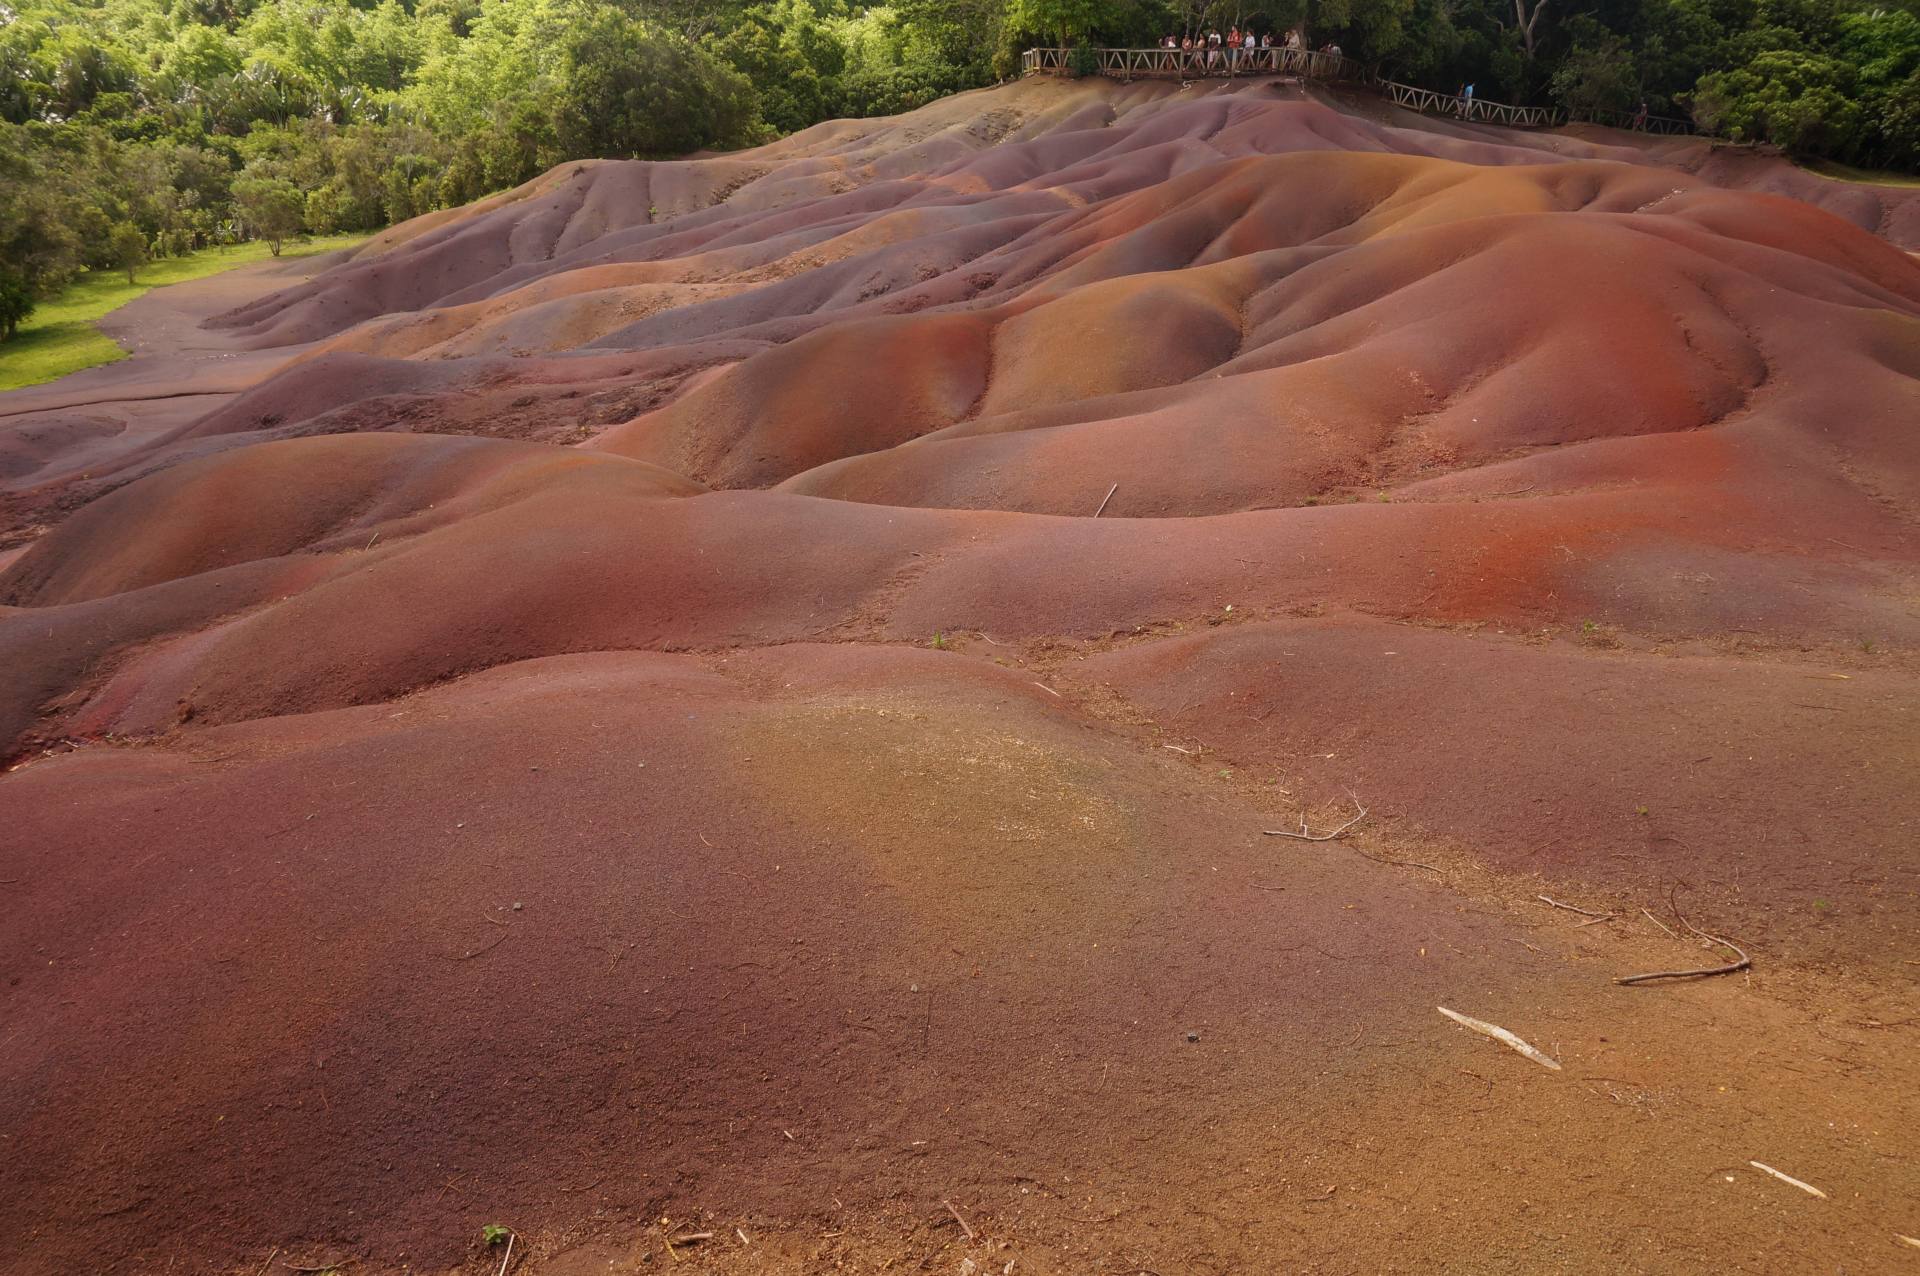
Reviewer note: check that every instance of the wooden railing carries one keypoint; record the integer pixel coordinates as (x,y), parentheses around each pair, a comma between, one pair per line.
(1198,64)
(1428,102)
(1634,121)
(1204,63)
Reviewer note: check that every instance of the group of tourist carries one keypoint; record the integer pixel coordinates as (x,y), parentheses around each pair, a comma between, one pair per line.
(1213,54)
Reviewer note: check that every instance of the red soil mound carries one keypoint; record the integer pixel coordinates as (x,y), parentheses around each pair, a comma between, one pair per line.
(581,550)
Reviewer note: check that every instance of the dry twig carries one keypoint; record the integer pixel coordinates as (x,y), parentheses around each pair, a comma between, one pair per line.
(1808,1188)
(1501,1035)
(1744,962)
(1304,836)
(1105,499)
(501,939)
(1584,912)
(1662,925)
(956,1218)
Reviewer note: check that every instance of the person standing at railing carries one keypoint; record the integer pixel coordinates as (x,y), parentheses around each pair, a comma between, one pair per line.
(1640,116)
(1466,101)
(1233,51)
(1213,53)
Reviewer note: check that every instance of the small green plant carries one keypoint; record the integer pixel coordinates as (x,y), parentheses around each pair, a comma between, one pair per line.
(494,1234)
(1866,645)
(1822,906)
(1589,627)
(1639,810)
(939,642)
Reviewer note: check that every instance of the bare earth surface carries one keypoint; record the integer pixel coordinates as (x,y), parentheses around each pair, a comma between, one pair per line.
(725,715)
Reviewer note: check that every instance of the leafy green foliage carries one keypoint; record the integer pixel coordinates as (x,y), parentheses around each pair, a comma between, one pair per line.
(270,207)
(202,122)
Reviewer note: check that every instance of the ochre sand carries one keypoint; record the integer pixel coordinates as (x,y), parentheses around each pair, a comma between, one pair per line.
(610,712)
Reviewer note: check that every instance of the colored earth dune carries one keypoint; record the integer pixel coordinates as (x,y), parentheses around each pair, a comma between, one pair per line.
(726,714)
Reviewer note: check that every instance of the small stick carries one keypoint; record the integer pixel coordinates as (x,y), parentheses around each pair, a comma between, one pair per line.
(1570,908)
(1382,859)
(1501,1035)
(1305,836)
(1177,749)
(1657,922)
(949,1204)
(1595,922)
(476,952)
(1909,1241)
(218,757)
(269,1262)
(1808,1188)
(742,1235)
(370,540)
(1049,690)
(326,1267)
(1105,499)
(694,1238)
(1744,963)
(511,1238)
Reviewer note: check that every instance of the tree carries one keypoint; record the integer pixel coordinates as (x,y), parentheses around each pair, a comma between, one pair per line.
(16,301)
(631,89)
(271,207)
(129,248)
(1797,100)
(1063,20)
(1599,73)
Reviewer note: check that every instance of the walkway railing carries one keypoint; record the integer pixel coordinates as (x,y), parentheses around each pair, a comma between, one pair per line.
(1207,63)
(1198,64)
(1428,102)
(1634,121)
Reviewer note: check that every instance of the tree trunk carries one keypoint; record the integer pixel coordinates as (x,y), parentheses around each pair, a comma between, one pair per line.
(1527,22)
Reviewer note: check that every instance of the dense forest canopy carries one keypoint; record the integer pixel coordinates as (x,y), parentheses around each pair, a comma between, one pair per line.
(138,127)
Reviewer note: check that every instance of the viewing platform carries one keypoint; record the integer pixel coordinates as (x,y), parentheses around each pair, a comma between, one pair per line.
(1332,68)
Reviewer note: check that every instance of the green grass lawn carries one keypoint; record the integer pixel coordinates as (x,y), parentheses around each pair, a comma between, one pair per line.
(60,337)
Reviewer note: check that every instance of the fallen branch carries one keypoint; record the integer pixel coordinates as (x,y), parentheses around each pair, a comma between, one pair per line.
(1745,962)
(693,1238)
(1808,1188)
(1584,912)
(325,1267)
(1105,499)
(1501,1035)
(956,1213)
(1662,925)
(1305,836)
